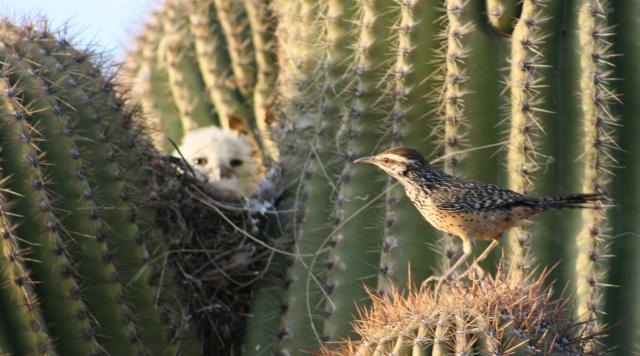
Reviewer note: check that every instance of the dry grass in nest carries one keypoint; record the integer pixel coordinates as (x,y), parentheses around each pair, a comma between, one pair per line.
(216,247)
(490,316)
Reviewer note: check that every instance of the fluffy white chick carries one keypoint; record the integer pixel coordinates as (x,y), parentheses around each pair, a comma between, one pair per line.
(224,156)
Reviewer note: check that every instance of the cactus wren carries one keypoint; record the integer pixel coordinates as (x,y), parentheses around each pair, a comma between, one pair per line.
(468,209)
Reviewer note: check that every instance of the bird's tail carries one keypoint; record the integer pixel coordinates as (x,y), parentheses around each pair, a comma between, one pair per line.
(575,201)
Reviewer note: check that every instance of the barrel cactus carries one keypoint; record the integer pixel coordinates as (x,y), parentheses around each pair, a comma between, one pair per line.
(491,316)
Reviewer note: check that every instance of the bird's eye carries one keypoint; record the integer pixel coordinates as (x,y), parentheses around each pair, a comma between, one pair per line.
(200,161)
(385,160)
(235,162)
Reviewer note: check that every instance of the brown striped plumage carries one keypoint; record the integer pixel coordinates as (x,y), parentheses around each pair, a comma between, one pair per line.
(469,209)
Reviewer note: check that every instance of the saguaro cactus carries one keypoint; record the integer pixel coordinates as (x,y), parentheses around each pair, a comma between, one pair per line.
(70,211)
(354,78)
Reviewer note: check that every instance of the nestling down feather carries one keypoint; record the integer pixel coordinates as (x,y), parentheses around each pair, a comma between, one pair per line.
(224,157)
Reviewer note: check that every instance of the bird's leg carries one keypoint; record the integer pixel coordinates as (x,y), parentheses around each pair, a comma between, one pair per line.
(482,256)
(487,251)
(467,249)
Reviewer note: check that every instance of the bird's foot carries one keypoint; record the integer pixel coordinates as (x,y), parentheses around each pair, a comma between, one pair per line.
(475,272)
(447,277)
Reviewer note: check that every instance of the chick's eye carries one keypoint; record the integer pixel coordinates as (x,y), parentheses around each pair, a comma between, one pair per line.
(385,160)
(235,162)
(200,161)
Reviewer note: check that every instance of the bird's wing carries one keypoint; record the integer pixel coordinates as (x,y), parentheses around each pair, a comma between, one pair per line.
(465,195)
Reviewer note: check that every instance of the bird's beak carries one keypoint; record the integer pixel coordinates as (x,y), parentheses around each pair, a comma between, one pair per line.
(367,159)
(225,171)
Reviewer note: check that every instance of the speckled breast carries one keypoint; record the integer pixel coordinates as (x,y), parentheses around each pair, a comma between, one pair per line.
(480,224)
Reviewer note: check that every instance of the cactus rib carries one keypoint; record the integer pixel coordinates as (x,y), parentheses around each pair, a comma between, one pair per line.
(596,97)
(60,292)
(263,24)
(235,26)
(522,155)
(213,62)
(20,306)
(177,51)
(452,103)
(353,260)
(299,60)
(75,182)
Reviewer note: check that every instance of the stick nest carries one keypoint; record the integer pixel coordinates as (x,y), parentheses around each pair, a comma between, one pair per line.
(216,247)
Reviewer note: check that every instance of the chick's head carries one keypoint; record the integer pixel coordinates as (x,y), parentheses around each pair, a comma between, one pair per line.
(224,156)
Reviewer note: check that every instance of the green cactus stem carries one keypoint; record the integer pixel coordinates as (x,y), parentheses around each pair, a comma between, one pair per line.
(79,198)
(623,301)
(596,72)
(261,336)
(522,155)
(104,287)
(353,260)
(299,58)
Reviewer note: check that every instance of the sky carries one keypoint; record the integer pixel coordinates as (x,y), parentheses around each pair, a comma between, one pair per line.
(108,24)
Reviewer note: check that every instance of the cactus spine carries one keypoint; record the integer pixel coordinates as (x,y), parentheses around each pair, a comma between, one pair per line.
(464,319)
(522,155)
(597,117)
